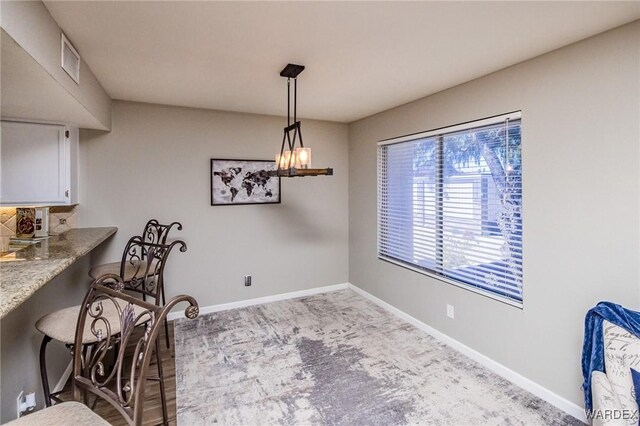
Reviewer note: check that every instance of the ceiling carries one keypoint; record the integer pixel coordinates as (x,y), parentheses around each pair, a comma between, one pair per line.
(361,57)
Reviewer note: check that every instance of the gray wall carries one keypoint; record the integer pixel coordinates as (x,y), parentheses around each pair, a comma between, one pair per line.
(155,164)
(19,350)
(581,163)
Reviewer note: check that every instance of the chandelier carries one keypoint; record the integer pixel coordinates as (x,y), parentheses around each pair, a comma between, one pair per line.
(294,159)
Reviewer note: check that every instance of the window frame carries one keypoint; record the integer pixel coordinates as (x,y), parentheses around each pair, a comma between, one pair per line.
(442,131)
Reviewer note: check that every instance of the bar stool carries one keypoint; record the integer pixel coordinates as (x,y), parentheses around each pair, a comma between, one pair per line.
(61,326)
(143,265)
(142,269)
(106,320)
(154,232)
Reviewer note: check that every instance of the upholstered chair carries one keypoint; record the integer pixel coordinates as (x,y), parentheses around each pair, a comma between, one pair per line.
(141,271)
(105,323)
(613,393)
(154,233)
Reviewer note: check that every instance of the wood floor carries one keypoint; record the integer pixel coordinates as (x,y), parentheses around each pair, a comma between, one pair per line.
(152,406)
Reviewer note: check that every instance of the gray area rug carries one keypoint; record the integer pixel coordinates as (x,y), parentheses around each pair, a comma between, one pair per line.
(336,359)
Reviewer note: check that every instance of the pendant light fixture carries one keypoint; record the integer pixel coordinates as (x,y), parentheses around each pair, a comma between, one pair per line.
(294,159)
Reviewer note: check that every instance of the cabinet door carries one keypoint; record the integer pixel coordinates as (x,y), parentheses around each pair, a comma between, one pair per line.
(34,163)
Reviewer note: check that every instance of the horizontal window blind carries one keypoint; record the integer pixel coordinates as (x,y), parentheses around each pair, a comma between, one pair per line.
(450,204)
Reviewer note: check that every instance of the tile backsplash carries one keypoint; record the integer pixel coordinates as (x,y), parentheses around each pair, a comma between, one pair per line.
(7,226)
(61,219)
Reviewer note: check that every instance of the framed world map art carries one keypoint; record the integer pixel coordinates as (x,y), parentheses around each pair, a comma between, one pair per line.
(235,182)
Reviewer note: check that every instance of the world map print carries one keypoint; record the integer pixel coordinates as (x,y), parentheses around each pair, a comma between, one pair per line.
(243,182)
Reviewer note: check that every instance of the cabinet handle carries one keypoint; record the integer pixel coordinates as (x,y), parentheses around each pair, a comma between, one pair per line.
(66,193)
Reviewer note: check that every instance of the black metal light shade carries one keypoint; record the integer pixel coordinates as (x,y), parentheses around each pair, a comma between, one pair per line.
(295,160)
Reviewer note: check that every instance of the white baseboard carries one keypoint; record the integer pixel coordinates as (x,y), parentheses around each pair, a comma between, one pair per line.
(63,379)
(262,300)
(519,380)
(516,378)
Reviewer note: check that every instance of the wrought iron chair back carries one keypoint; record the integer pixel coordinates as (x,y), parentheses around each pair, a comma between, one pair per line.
(142,266)
(121,383)
(157,233)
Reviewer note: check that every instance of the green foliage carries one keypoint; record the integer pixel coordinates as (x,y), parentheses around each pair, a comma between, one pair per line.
(463,150)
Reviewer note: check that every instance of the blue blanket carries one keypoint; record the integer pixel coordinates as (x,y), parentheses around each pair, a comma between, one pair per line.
(593,346)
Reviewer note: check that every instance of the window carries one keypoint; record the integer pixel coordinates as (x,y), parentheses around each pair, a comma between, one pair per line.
(450,205)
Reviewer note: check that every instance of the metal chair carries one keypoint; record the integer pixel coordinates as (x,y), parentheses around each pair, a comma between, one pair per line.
(141,271)
(107,319)
(154,232)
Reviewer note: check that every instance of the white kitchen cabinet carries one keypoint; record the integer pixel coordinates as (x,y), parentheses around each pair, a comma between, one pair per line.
(38,164)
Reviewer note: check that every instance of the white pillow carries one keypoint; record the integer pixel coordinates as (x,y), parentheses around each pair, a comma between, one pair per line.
(605,401)
(621,354)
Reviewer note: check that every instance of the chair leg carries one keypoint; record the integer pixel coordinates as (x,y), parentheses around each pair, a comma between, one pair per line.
(87,355)
(43,370)
(163,396)
(166,332)
(166,322)
(116,352)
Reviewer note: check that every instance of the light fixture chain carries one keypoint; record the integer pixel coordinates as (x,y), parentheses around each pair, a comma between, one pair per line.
(288,101)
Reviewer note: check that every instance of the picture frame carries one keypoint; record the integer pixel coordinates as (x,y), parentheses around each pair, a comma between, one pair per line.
(241,182)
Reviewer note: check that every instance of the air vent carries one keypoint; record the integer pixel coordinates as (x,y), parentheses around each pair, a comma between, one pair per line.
(70,59)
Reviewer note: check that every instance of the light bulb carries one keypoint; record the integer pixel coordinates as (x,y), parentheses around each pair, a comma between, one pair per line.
(303,157)
(291,159)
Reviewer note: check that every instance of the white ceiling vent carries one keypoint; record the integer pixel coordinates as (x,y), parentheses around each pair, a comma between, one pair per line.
(70,59)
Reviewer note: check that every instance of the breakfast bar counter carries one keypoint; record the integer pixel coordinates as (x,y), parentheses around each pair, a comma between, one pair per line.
(25,271)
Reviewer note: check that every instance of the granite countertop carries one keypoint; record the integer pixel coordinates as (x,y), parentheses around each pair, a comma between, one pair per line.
(25,271)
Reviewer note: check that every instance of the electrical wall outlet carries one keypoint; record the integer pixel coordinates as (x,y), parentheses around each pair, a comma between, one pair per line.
(20,401)
(25,403)
(450,312)
(247,280)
